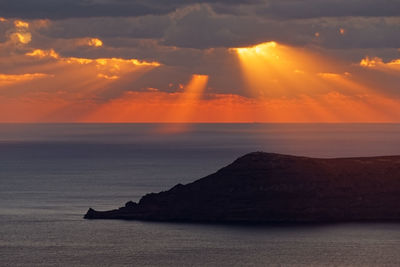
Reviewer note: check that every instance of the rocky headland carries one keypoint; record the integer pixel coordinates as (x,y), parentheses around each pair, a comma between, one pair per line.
(272,188)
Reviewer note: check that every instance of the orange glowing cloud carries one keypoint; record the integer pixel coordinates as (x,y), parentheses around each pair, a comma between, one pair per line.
(100,61)
(104,68)
(104,76)
(379,64)
(94,42)
(22,34)
(6,79)
(21,24)
(43,53)
(371,62)
(23,38)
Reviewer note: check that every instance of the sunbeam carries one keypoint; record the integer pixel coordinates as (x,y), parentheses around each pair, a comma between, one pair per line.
(294,75)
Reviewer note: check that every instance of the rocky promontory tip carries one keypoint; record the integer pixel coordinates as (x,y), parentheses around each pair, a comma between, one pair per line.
(270,188)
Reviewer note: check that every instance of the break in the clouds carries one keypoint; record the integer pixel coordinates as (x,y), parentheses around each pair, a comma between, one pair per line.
(98,56)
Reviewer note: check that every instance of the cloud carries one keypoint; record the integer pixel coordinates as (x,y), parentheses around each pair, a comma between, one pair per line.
(63,9)
(21,33)
(378,64)
(201,27)
(6,79)
(94,42)
(288,9)
(135,27)
(293,9)
(108,65)
(87,47)
(214,23)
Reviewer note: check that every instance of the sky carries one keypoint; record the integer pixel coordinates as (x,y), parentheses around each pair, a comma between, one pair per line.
(200,61)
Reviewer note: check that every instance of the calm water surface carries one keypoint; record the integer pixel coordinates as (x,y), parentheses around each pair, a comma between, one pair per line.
(51,173)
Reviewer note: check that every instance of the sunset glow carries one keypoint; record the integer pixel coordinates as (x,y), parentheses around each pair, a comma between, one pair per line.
(286,84)
(273,71)
(94,77)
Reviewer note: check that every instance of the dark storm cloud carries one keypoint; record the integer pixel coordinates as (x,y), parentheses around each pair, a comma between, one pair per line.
(62,9)
(200,27)
(134,27)
(283,9)
(204,24)
(329,8)
(304,9)
(361,33)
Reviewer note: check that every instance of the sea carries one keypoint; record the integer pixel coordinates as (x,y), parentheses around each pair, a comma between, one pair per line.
(50,174)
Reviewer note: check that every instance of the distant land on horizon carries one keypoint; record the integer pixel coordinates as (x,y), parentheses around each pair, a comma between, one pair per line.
(274,188)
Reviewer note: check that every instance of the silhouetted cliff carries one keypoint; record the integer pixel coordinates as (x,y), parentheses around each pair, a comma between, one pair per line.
(265,187)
